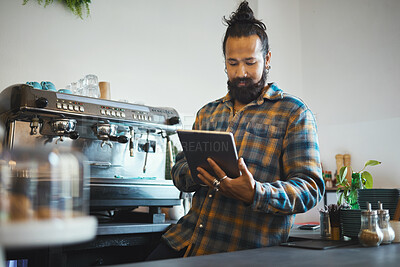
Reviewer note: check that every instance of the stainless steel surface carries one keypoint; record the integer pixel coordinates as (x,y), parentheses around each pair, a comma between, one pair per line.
(131,228)
(124,144)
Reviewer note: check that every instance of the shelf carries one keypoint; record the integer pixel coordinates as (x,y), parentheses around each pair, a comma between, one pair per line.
(331,189)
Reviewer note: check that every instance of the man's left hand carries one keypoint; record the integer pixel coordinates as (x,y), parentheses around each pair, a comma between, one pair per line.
(241,188)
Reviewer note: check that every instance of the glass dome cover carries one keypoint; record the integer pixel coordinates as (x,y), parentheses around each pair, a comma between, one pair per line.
(44,199)
(39,185)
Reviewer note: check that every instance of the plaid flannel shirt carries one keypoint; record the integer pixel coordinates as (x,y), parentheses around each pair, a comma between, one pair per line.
(277,137)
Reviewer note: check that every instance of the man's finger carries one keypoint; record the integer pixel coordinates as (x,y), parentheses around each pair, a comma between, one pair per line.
(205,181)
(205,176)
(243,168)
(218,171)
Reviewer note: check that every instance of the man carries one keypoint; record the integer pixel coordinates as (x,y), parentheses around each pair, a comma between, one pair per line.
(276,139)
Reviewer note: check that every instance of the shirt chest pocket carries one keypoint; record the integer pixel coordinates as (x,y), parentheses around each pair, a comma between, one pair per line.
(261,148)
(264,130)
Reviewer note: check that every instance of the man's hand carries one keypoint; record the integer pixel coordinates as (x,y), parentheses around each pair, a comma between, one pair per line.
(241,188)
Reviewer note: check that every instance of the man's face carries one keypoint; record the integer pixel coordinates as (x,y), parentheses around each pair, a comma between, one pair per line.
(245,67)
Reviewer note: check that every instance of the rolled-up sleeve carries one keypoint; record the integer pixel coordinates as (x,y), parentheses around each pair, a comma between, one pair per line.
(301,185)
(181,175)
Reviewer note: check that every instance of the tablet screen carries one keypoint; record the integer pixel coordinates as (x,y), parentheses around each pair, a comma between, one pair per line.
(220,146)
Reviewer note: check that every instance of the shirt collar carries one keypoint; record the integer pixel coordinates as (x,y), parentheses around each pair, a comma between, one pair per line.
(271,92)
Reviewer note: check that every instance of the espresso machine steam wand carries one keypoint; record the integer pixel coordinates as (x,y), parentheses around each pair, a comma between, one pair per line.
(146,149)
(131,145)
(169,147)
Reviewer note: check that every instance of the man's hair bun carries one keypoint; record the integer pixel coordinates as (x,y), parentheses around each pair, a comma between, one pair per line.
(242,23)
(243,15)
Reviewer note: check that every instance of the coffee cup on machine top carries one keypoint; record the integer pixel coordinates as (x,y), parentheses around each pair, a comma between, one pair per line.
(48,86)
(35,85)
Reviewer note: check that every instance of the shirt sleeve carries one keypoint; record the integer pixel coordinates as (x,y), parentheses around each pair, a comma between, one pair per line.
(181,175)
(180,172)
(300,186)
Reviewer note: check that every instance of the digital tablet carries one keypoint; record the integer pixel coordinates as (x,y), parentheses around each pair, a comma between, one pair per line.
(318,243)
(220,146)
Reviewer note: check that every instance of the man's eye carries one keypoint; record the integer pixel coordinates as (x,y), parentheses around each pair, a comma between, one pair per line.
(250,63)
(232,63)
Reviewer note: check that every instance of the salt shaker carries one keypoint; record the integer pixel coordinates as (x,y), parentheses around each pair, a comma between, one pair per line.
(370,234)
(384,224)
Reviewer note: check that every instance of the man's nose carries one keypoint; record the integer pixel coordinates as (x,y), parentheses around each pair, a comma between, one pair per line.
(242,72)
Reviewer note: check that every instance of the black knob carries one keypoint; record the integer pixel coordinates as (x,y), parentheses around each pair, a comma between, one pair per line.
(74,135)
(173,120)
(122,139)
(42,102)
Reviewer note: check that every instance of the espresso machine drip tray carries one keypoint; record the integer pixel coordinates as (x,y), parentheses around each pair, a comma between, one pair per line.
(110,193)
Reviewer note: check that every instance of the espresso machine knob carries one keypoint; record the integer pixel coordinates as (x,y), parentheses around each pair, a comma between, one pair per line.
(173,120)
(122,139)
(74,135)
(42,102)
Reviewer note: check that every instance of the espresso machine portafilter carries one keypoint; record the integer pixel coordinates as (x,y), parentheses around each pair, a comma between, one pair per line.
(65,127)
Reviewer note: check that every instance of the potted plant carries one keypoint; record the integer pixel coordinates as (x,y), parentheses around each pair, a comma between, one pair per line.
(360,180)
(77,7)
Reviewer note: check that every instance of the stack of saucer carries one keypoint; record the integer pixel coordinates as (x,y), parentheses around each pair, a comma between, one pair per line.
(388,197)
(351,222)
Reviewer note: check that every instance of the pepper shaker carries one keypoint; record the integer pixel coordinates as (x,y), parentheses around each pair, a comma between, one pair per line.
(370,234)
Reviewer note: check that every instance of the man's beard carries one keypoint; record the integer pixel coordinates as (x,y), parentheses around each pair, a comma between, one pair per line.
(250,91)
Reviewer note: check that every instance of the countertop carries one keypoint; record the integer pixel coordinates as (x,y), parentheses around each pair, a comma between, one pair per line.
(353,255)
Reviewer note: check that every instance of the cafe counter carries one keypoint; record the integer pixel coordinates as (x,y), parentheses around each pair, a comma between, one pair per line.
(349,255)
(129,243)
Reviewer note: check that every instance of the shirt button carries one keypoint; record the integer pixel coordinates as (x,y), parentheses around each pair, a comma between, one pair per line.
(201,225)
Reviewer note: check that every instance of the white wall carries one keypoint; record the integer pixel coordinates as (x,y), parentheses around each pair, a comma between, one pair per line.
(162,53)
(283,28)
(342,57)
(351,66)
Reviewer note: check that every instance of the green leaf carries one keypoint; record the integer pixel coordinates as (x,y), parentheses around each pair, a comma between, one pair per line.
(346,193)
(372,163)
(367,177)
(340,199)
(343,196)
(342,174)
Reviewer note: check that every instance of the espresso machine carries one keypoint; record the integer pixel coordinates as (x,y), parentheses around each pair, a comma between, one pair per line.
(127,146)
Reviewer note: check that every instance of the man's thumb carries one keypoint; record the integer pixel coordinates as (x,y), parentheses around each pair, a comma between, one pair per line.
(242,166)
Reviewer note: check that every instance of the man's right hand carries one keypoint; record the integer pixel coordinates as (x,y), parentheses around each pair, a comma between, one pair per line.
(241,188)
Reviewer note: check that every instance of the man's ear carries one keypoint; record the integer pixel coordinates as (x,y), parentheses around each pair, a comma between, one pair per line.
(267,59)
